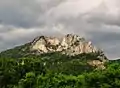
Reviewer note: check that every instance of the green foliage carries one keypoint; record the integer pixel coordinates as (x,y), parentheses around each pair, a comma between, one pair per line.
(19,69)
(28,81)
(17,52)
(12,70)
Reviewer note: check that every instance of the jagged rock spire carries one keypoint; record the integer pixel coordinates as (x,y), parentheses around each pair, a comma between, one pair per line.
(69,44)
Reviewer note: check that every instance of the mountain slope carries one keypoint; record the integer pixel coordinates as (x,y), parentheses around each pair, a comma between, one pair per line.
(69,45)
(57,53)
(49,62)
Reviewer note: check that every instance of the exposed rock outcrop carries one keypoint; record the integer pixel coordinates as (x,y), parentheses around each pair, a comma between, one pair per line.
(97,63)
(69,44)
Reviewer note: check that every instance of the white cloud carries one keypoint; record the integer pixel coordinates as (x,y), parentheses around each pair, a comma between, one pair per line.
(74,8)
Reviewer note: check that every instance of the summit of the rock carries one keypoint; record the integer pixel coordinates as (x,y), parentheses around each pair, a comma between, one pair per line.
(69,44)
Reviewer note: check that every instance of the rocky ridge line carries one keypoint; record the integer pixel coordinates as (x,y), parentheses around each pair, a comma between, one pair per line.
(70,44)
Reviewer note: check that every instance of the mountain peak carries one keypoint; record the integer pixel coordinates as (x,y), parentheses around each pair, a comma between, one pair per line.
(69,44)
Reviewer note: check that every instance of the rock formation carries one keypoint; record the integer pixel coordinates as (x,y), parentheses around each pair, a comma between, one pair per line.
(69,44)
(97,63)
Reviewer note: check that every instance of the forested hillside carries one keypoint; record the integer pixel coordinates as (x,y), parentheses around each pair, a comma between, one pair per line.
(22,68)
(55,70)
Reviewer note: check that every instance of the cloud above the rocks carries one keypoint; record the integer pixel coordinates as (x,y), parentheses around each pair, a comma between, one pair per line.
(96,20)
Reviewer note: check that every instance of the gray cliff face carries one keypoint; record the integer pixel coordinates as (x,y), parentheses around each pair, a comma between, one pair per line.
(69,44)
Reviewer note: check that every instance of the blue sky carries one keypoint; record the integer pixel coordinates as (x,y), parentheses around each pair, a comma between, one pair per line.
(96,20)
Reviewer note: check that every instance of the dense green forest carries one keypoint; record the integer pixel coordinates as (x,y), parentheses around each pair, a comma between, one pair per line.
(55,70)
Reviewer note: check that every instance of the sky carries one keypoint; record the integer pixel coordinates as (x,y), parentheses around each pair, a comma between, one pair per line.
(96,20)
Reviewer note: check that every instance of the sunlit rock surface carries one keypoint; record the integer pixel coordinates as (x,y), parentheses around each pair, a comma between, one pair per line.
(68,44)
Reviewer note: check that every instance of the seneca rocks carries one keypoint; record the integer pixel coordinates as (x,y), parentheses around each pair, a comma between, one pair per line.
(69,44)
